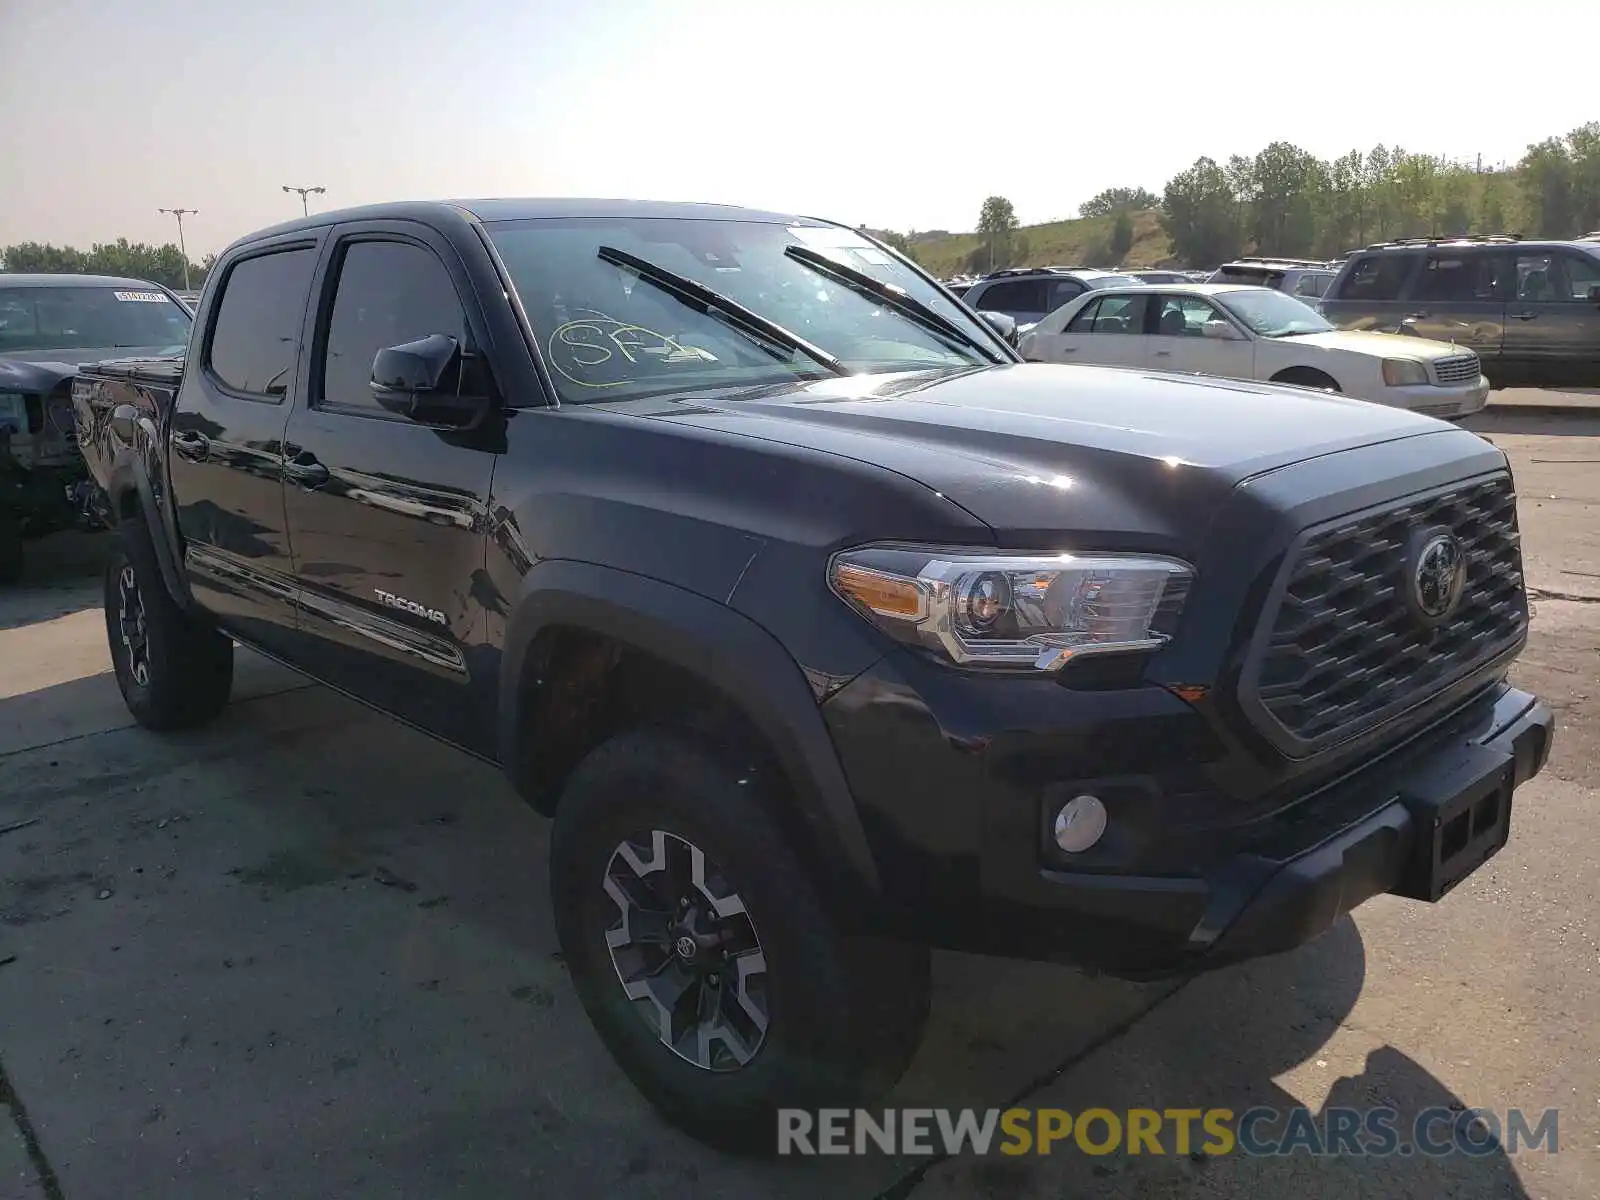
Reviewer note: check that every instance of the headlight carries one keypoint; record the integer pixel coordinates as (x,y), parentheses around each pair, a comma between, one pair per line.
(1003,610)
(14,412)
(1403,372)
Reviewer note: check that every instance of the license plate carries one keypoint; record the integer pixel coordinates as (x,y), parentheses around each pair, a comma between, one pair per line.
(1462,819)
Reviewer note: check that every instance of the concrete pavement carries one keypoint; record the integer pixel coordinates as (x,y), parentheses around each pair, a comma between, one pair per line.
(309,953)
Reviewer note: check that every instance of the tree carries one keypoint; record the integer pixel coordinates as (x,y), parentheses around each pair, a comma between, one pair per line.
(1287,184)
(1119,200)
(135,260)
(1547,179)
(1200,212)
(997,226)
(1121,238)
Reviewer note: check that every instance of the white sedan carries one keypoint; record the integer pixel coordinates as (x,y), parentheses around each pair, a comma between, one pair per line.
(1259,333)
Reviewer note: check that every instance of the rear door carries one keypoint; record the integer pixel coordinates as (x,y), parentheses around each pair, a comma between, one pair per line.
(1460,297)
(226,460)
(1108,330)
(387,515)
(1180,343)
(1552,326)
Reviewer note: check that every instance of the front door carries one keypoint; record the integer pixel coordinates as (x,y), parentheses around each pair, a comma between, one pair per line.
(1552,324)
(387,515)
(226,458)
(1180,341)
(1460,297)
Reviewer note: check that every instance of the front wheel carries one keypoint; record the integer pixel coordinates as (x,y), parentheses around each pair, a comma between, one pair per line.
(703,954)
(174,672)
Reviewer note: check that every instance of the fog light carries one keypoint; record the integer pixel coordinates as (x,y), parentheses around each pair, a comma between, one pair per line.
(1080,824)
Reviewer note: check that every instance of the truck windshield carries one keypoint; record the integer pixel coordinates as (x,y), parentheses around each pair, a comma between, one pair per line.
(81,318)
(606,334)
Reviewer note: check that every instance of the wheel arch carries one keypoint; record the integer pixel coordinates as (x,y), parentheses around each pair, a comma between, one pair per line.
(692,642)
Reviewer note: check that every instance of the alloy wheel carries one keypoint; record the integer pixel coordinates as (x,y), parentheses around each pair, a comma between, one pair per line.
(131,626)
(686,951)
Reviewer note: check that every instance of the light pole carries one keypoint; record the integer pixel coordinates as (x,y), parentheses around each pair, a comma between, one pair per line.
(305,208)
(181,213)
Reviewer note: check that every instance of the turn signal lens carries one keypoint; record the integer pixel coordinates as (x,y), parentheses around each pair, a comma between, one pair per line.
(882,594)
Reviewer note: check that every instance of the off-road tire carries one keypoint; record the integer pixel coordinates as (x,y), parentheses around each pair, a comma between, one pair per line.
(188,665)
(845,1013)
(11,555)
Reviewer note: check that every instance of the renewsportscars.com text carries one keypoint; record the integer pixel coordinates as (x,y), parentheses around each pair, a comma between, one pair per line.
(1371,1132)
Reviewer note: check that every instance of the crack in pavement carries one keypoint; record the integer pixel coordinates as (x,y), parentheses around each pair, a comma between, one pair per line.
(9,1100)
(1574,597)
(902,1188)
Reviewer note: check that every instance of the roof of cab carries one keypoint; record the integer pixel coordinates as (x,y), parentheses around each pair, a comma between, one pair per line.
(53,280)
(511,209)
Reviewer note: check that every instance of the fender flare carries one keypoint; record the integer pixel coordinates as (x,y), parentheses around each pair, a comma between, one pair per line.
(715,643)
(129,477)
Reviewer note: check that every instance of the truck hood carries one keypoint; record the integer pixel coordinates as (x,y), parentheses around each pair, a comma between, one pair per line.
(1378,345)
(1038,450)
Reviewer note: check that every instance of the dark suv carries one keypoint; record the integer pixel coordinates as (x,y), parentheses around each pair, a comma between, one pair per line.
(825,628)
(1029,294)
(1529,309)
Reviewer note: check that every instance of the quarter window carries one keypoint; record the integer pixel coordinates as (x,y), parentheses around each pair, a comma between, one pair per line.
(388,293)
(257,330)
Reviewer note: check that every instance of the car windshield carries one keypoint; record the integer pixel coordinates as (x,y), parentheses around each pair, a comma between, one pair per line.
(608,332)
(1273,314)
(81,318)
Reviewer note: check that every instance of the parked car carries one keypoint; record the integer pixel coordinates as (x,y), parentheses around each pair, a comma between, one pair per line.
(48,324)
(1305,278)
(1027,293)
(1159,276)
(825,629)
(1529,309)
(1257,333)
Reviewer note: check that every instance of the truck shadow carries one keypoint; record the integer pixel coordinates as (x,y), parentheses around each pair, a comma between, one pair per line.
(357,924)
(61,575)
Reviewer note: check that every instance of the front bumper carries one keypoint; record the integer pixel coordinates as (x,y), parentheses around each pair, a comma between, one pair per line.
(1451,403)
(960,824)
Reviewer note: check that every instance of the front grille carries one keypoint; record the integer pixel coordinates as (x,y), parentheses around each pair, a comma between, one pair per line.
(1460,368)
(1340,648)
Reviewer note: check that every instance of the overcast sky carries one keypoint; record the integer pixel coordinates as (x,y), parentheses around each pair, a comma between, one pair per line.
(895,114)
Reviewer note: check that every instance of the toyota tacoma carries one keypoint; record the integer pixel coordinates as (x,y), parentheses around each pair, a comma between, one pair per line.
(825,629)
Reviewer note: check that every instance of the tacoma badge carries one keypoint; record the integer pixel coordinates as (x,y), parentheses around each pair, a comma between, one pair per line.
(410,606)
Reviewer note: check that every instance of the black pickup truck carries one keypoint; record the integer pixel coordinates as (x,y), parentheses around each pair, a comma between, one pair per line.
(824,628)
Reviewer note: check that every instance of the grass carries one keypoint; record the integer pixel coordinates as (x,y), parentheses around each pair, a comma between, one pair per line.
(1081,242)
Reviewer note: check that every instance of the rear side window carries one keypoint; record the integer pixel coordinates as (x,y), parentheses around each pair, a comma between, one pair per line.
(257,328)
(1064,290)
(1459,277)
(1376,277)
(1020,295)
(389,293)
(1255,276)
(1312,285)
(1112,314)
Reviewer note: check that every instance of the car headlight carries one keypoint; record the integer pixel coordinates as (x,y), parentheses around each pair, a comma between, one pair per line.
(14,412)
(1002,610)
(1403,372)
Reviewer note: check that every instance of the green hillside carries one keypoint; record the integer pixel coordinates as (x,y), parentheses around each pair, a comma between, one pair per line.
(1083,242)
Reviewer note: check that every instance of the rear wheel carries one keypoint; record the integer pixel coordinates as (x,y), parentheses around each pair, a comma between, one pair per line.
(703,954)
(1307,377)
(174,671)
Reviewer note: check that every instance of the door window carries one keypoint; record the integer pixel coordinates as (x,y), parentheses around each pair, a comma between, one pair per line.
(1111,314)
(1185,316)
(388,293)
(1460,277)
(1017,295)
(1548,278)
(1377,277)
(257,330)
(1580,272)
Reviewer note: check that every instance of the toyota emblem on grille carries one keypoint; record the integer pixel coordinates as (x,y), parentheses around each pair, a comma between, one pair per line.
(1438,574)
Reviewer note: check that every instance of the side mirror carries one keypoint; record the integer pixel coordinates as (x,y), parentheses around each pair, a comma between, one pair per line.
(1220,330)
(1002,324)
(425,381)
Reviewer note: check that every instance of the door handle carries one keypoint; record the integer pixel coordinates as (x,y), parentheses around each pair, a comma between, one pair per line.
(1162,353)
(1525,316)
(305,470)
(1068,349)
(193,446)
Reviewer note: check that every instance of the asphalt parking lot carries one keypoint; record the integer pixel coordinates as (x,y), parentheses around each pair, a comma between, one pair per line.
(309,953)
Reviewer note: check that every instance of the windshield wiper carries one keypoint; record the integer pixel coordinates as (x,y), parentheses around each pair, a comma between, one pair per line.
(890,296)
(767,334)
